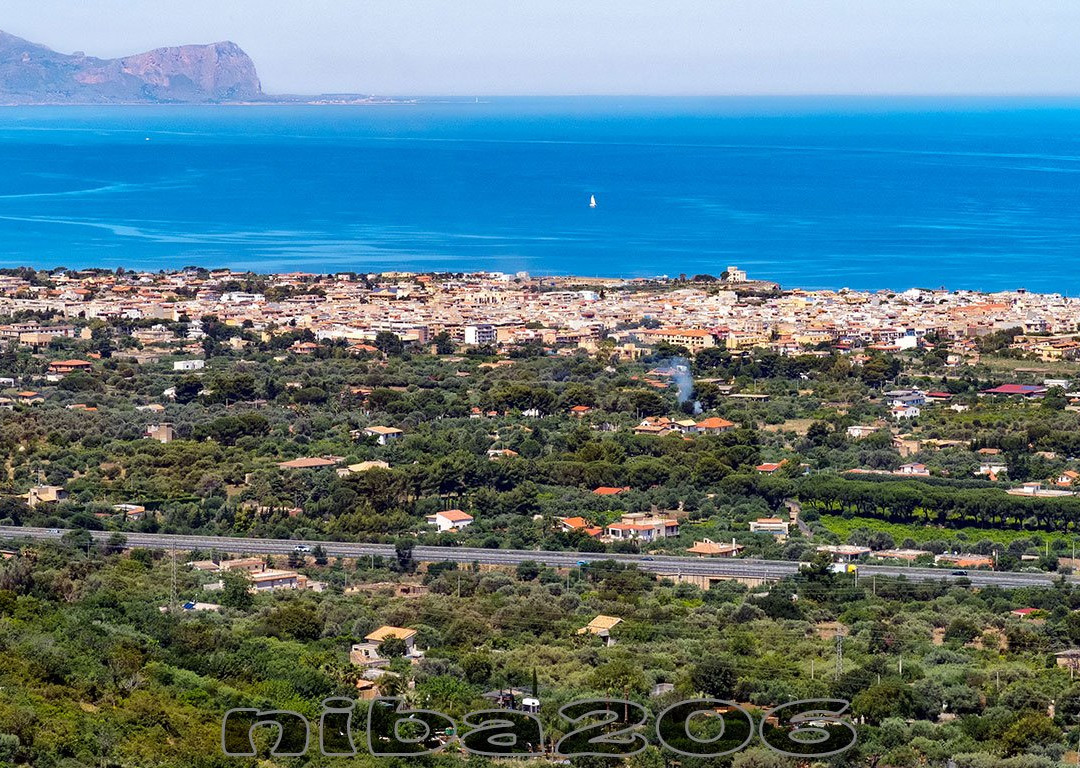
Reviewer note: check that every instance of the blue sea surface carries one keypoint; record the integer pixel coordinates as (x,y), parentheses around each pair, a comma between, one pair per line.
(863,193)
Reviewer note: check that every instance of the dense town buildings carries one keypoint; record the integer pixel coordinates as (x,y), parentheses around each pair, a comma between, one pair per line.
(504,310)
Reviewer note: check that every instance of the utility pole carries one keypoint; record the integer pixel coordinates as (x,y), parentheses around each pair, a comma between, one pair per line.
(839,653)
(173,603)
(1078,739)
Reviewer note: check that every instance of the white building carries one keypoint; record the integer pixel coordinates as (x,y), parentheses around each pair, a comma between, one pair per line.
(450,520)
(773,525)
(913,469)
(906,412)
(383,434)
(735,275)
(859,431)
(188,365)
(366,654)
(638,525)
(240,297)
(480,334)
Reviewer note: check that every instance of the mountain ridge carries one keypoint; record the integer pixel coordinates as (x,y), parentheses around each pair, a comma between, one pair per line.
(221,72)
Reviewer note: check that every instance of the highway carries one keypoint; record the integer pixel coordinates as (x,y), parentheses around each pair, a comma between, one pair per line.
(751,569)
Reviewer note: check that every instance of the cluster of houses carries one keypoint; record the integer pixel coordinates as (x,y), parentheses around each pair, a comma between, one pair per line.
(53,494)
(262,578)
(662,425)
(372,659)
(850,553)
(657,526)
(907,404)
(632,526)
(505,310)
(372,662)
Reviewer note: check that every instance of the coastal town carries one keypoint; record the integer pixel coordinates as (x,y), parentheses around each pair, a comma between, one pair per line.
(501,310)
(418,485)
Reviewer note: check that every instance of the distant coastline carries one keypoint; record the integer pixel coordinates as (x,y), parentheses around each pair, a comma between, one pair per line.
(213,74)
(269,101)
(739,283)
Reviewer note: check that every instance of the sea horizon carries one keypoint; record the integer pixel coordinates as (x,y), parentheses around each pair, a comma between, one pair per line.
(823,192)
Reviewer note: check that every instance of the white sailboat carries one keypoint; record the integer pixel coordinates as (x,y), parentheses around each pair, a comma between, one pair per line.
(592,201)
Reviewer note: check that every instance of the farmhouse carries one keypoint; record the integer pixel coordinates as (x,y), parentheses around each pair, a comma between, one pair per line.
(450,520)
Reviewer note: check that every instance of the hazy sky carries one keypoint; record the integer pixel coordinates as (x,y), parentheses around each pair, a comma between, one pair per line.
(597,46)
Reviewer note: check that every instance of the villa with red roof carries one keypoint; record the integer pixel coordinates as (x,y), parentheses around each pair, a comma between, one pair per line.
(69,366)
(714,425)
(450,520)
(769,467)
(638,525)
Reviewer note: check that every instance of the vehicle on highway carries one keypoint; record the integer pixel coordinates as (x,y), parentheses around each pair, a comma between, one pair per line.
(301,548)
(959,573)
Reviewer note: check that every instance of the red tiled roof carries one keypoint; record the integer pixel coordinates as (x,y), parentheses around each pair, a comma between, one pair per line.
(715,422)
(609,491)
(306,463)
(455,515)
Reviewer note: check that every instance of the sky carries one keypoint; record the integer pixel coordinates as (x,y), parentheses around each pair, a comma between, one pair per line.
(563,47)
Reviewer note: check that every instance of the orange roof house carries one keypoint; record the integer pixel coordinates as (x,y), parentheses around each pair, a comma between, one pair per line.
(450,520)
(68,366)
(605,490)
(1067,478)
(714,424)
(309,462)
(769,467)
(965,561)
(708,547)
(573,523)
(580,524)
(601,627)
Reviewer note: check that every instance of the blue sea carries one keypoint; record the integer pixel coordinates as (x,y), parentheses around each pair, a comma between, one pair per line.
(863,193)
